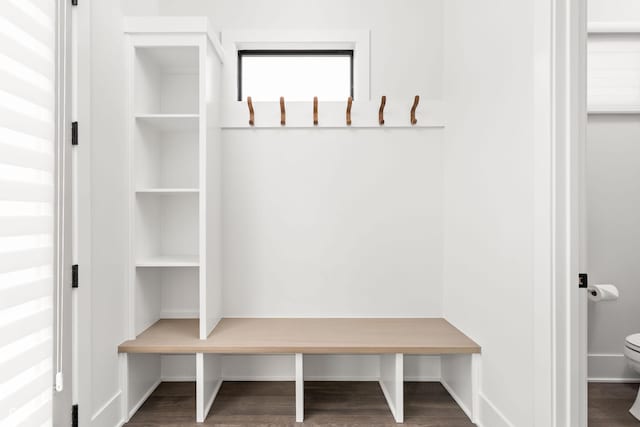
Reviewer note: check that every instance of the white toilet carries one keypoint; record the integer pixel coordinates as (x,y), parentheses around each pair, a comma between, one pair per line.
(632,353)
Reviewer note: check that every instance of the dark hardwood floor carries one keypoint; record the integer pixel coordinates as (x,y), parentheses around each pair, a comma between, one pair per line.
(609,405)
(326,404)
(345,404)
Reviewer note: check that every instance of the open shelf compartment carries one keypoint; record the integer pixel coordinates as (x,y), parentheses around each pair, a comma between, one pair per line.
(167,230)
(166,157)
(166,80)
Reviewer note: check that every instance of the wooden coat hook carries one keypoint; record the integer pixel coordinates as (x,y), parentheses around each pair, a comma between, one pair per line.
(315,111)
(349,102)
(251,114)
(283,113)
(383,102)
(416,100)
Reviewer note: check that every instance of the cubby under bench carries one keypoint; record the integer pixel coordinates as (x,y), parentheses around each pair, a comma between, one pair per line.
(391,338)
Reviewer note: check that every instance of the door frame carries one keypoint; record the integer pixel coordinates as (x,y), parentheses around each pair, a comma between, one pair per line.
(62,350)
(569,302)
(82,238)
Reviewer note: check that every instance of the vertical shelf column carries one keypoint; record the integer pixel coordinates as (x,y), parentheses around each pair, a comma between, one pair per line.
(174,68)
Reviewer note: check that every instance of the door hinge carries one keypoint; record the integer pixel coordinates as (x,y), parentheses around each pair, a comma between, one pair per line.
(74,416)
(74,276)
(583,280)
(74,133)
(74,2)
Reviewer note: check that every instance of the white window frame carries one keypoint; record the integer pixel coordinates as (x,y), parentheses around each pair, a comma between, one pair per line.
(356,40)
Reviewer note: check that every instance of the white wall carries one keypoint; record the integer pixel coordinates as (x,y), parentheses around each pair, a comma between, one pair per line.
(489,197)
(336,222)
(613,210)
(332,223)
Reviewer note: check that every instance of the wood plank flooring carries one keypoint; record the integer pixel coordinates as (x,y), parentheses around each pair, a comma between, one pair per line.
(357,404)
(609,405)
(345,404)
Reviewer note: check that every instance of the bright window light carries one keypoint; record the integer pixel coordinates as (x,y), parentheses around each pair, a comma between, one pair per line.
(297,75)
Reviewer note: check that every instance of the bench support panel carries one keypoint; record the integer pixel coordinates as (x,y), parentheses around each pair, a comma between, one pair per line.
(299,388)
(392,383)
(208,383)
(475,388)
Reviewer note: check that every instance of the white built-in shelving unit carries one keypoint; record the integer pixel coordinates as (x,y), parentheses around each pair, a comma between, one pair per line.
(175,280)
(174,169)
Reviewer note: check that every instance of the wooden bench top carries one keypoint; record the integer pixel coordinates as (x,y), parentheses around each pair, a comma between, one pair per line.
(310,336)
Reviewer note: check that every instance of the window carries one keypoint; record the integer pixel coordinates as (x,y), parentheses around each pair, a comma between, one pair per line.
(27,198)
(297,75)
(613,72)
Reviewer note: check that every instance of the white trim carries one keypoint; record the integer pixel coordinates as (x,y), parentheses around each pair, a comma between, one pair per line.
(497,414)
(607,27)
(174,24)
(177,314)
(415,379)
(146,395)
(178,379)
(358,40)
(82,216)
(320,378)
(342,378)
(568,107)
(345,316)
(614,380)
(106,406)
(455,397)
(267,378)
(611,367)
(289,378)
(613,110)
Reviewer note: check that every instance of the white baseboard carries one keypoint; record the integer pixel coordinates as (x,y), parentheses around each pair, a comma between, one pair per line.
(175,314)
(268,378)
(109,413)
(145,396)
(457,399)
(418,379)
(610,368)
(614,380)
(177,379)
(340,378)
(315,378)
(490,415)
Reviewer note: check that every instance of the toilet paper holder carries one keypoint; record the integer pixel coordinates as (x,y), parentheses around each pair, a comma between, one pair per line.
(604,292)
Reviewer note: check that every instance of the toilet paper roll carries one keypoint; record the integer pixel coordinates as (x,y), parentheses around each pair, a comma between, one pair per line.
(599,293)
